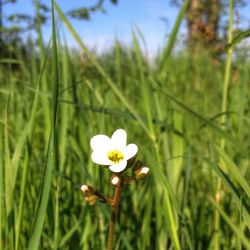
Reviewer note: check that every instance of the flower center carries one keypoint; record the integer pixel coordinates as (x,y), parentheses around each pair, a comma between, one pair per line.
(115,156)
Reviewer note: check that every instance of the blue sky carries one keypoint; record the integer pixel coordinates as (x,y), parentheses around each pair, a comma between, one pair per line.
(119,20)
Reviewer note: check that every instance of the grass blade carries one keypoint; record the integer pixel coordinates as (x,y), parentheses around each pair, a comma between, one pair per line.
(200,117)
(236,194)
(234,170)
(29,134)
(51,153)
(167,52)
(100,69)
(1,186)
(234,228)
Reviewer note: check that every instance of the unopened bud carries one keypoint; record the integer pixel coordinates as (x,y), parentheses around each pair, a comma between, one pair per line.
(141,172)
(115,180)
(91,200)
(87,190)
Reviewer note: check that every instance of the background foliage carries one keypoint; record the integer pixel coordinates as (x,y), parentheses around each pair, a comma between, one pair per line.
(53,100)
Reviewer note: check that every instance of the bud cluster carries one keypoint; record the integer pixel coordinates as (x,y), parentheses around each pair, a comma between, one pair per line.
(139,172)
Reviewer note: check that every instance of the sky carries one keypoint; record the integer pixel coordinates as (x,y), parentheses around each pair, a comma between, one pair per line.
(154,18)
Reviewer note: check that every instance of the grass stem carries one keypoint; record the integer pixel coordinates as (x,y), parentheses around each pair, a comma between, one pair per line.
(223,124)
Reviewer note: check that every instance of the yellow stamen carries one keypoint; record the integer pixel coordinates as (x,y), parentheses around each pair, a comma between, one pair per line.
(115,156)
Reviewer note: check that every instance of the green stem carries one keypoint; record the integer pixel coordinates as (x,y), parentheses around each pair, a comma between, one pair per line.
(115,211)
(223,124)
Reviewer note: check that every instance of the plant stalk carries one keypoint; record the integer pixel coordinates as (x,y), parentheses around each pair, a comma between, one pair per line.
(115,211)
(223,123)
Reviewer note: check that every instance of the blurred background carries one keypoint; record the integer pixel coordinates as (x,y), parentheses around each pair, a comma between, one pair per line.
(174,74)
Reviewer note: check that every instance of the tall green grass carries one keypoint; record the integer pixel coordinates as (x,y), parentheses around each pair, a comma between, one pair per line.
(54,100)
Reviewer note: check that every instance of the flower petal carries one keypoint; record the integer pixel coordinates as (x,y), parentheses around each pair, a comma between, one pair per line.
(119,139)
(118,167)
(100,158)
(100,143)
(130,151)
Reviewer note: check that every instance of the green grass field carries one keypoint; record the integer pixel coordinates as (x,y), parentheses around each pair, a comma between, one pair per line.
(189,116)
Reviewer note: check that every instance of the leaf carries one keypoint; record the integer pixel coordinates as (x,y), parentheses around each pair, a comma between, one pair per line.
(238,38)
(81,13)
(114,1)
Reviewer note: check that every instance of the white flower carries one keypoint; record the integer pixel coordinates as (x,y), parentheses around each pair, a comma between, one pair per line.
(113,152)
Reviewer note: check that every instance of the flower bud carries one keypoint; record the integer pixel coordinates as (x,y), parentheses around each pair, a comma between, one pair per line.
(87,190)
(141,172)
(115,180)
(91,200)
